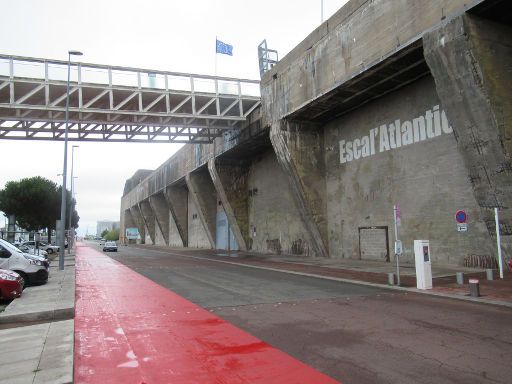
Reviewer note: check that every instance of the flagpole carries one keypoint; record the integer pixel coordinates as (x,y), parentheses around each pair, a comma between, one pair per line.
(215,56)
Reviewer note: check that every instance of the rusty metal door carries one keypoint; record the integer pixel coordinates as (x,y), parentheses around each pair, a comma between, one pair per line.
(373,243)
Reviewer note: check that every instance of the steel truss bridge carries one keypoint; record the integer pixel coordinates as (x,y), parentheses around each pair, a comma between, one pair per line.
(120,104)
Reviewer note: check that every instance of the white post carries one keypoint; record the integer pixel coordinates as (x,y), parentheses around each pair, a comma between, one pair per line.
(397,257)
(498,240)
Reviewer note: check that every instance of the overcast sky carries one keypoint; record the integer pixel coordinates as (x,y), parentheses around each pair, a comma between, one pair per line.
(155,34)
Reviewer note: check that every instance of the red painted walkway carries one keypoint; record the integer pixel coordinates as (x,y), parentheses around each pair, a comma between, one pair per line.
(129,329)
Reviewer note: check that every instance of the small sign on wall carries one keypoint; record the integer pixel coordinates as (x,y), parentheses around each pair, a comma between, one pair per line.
(461,217)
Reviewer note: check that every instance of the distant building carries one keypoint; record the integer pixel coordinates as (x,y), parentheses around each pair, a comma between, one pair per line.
(101,226)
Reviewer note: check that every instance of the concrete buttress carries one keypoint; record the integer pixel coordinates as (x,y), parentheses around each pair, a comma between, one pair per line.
(470,61)
(149,219)
(177,199)
(230,181)
(139,222)
(204,197)
(299,150)
(160,207)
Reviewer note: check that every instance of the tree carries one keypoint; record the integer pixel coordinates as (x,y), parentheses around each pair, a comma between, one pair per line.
(104,233)
(113,235)
(35,202)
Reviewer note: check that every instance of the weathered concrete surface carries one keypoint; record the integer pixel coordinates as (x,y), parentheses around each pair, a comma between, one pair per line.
(470,59)
(127,221)
(204,197)
(427,178)
(37,354)
(346,45)
(371,54)
(276,226)
(230,181)
(148,217)
(299,150)
(177,199)
(139,222)
(160,207)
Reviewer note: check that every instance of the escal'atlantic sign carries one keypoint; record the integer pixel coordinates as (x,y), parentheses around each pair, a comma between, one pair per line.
(396,135)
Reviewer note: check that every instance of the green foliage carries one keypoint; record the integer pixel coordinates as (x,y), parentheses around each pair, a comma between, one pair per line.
(113,235)
(35,202)
(104,233)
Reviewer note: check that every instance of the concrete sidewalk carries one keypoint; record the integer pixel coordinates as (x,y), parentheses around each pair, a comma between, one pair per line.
(52,301)
(37,331)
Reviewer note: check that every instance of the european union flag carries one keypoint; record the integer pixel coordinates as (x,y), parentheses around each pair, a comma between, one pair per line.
(224,48)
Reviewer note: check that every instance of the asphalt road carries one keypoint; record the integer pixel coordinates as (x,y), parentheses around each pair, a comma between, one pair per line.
(355,334)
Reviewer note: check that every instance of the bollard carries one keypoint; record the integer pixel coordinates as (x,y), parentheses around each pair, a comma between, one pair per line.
(391,278)
(460,277)
(474,287)
(489,274)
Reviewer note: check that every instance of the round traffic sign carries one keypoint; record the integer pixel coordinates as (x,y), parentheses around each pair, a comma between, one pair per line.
(461,217)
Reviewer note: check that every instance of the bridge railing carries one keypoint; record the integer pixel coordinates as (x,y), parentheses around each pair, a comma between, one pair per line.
(118,103)
(56,70)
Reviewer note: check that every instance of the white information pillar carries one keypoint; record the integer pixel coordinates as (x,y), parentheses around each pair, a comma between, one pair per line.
(423,267)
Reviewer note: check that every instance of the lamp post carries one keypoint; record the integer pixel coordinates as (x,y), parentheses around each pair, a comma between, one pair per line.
(70,227)
(62,228)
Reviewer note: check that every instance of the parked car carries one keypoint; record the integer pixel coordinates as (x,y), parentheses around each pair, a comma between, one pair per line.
(11,284)
(42,245)
(110,246)
(32,251)
(33,269)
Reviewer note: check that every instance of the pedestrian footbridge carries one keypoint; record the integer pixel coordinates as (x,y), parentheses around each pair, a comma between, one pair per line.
(109,103)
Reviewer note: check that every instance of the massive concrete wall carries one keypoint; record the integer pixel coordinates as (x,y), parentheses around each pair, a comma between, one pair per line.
(358,36)
(314,173)
(400,150)
(275,223)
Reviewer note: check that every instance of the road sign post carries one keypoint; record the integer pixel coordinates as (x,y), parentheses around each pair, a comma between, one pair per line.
(397,215)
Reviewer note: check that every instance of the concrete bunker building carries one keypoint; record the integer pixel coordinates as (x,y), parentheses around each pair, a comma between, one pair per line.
(388,101)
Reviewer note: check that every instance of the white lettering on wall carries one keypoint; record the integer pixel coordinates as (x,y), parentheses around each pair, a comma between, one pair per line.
(396,135)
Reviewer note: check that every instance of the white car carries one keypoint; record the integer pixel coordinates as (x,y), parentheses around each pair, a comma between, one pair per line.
(33,251)
(33,269)
(110,246)
(42,245)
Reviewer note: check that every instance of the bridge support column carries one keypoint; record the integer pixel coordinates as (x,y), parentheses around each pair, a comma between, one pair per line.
(177,199)
(299,151)
(230,181)
(204,197)
(469,59)
(139,222)
(160,208)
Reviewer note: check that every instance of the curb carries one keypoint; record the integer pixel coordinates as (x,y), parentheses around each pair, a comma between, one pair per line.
(40,317)
(356,282)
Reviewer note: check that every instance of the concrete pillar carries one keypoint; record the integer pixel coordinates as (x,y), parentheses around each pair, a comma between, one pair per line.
(160,208)
(149,219)
(177,199)
(299,151)
(127,221)
(139,222)
(469,59)
(204,197)
(230,181)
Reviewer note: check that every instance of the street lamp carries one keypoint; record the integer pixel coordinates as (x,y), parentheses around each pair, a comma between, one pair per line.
(71,230)
(62,228)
